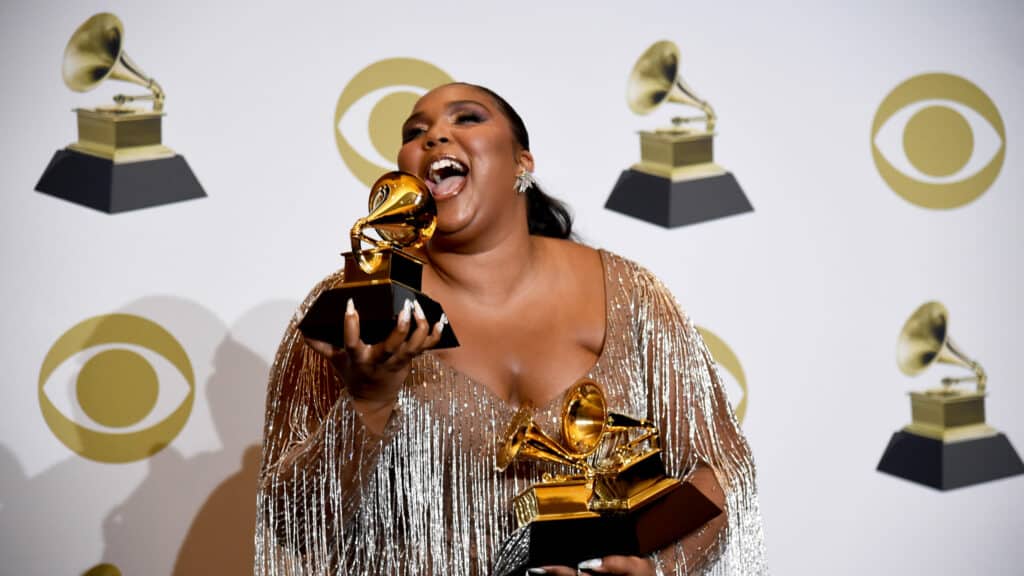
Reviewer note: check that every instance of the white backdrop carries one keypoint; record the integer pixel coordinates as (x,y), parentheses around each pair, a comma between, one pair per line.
(810,290)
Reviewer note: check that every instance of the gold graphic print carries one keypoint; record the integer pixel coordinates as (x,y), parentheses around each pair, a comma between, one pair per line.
(726,358)
(387,115)
(117,388)
(104,569)
(944,118)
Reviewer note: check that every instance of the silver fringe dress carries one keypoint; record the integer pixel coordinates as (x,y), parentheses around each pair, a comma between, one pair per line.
(425,498)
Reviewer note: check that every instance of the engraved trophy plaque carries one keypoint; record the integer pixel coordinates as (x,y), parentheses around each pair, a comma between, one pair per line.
(618,500)
(380,280)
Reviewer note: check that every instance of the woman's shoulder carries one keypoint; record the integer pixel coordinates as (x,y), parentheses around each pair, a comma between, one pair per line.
(639,284)
(622,275)
(578,252)
(570,259)
(629,272)
(567,248)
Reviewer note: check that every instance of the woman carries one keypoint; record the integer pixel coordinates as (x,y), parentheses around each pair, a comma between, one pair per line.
(381,459)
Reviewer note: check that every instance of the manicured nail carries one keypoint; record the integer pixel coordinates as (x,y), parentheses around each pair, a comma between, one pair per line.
(536,571)
(417,310)
(403,318)
(444,319)
(594,564)
(350,308)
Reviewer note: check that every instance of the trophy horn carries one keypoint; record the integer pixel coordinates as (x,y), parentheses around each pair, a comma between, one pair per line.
(584,417)
(403,213)
(655,79)
(586,420)
(95,53)
(524,439)
(925,340)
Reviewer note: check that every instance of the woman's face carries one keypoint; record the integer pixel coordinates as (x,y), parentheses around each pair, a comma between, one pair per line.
(461,144)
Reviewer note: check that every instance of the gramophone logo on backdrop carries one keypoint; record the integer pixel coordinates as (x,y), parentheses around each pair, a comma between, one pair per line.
(676,181)
(938,141)
(370,111)
(948,444)
(118,163)
(105,383)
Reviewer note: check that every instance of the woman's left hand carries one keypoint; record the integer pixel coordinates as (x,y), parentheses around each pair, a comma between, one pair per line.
(623,565)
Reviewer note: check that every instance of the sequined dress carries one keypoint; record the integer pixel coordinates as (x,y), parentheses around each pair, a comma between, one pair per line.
(425,498)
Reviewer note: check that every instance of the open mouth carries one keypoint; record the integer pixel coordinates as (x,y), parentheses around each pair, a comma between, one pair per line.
(445,177)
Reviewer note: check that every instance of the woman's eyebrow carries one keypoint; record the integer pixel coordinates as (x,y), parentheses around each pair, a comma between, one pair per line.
(460,103)
(448,108)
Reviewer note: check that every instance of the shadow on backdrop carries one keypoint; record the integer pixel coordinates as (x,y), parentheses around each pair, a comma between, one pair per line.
(206,502)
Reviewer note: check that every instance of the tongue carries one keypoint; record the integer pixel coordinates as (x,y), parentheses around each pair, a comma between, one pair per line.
(447,187)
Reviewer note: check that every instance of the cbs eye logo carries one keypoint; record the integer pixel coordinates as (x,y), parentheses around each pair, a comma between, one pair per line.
(726,358)
(113,374)
(938,141)
(370,111)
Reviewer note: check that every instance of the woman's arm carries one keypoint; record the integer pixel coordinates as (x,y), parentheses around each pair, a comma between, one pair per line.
(329,412)
(313,439)
(700,439)
(700,435)
(323,436)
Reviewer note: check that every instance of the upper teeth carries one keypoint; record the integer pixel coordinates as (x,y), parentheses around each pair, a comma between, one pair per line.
(440,164)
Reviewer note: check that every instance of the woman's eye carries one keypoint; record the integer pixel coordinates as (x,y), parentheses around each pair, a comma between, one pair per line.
(468,118)
(411,134)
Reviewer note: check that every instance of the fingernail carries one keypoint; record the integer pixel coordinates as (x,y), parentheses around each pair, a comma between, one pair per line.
(417,310)
(536,571)
(444,319)
(404,316)
(590,564)
(350,308)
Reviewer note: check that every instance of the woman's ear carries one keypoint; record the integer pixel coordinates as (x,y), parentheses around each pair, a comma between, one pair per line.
(526,160)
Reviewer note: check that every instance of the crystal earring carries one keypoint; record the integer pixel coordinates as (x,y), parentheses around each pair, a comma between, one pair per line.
(524,181)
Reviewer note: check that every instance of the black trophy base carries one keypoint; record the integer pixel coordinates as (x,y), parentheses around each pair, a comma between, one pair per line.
(947,466)
(671,204)
(108,187)
(636,533)
(378,306)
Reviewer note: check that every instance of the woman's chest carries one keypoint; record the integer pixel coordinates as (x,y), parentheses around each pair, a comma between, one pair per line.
(527,354)
(522,368)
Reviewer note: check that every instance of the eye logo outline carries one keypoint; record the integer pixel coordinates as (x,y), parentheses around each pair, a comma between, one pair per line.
(107,447)
(726,358)
(380,74)
(939,86)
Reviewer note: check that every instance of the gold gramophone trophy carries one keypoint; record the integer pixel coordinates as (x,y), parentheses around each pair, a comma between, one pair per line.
(618,500)
(947,444)
(118,162)
(379,280)
(676,181)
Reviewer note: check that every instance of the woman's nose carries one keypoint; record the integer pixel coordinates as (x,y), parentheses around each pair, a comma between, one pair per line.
(431,142)
(437,135)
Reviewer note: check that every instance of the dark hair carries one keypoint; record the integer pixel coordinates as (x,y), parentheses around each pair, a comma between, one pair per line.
(545,215)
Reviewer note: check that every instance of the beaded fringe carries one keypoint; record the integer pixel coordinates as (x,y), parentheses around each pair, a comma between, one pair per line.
(425,498)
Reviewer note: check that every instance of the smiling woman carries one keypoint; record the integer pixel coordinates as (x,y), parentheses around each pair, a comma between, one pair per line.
(381,459)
